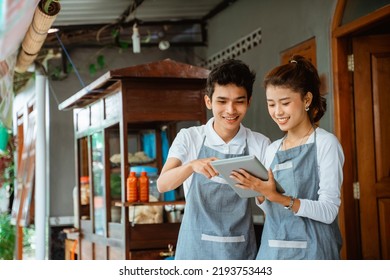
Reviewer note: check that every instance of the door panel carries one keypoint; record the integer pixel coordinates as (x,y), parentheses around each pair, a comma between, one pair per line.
(372,116)
(384,218)
(381,75)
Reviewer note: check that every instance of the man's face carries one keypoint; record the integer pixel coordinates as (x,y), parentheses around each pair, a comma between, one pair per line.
(229,105)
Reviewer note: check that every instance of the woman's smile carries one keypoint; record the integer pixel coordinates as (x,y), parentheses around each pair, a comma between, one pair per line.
(282,121)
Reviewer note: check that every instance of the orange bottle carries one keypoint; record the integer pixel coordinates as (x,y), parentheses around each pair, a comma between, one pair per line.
(144,187)
(84,190)
(132,188)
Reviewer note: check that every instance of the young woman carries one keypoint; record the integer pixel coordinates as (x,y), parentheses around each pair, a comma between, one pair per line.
(302,222)
(217,223)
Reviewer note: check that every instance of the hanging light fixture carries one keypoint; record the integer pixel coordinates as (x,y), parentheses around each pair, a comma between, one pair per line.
(164,45)
(136,39)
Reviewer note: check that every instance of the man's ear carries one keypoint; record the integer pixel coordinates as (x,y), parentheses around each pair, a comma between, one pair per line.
(207,101)
(249,101)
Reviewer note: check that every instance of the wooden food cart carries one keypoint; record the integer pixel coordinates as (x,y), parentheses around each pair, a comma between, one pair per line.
(111,116)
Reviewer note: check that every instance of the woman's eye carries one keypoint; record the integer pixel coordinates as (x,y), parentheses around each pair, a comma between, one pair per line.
(271,105)
(285,104)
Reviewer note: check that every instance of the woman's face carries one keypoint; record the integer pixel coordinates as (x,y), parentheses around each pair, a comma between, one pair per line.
(287,108)
(229,104)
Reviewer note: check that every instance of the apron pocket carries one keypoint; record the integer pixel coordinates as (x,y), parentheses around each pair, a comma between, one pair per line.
(233,247)
(287,250)
(287,244)
(223,239)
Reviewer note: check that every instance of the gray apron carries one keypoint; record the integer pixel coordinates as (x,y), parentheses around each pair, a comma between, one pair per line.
(217,223)
(286,236)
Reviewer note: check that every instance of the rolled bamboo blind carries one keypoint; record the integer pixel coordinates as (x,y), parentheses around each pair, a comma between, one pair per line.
(35,36)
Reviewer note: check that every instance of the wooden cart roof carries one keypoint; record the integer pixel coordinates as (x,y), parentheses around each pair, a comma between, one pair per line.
(167,68)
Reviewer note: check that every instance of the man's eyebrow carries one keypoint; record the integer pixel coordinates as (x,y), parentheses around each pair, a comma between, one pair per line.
(225,98)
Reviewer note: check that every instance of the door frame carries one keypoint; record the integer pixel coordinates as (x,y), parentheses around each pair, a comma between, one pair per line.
(344,119)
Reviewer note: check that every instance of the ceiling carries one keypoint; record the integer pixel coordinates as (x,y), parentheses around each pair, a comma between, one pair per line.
(95,23)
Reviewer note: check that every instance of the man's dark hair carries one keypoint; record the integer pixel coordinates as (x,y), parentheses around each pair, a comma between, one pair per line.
(231,71)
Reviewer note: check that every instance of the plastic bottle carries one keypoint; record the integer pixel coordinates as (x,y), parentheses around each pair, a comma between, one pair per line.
(132,188)
(144,187)
(154,194)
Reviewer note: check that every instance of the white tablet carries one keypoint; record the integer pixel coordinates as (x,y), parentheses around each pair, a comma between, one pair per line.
(250,164)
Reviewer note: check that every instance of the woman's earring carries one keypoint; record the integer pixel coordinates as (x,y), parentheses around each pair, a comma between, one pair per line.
(307,108)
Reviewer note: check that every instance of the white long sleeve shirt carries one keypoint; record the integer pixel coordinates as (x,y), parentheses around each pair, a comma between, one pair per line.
(330,160)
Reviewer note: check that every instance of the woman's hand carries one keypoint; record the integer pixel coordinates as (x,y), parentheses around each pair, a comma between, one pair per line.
(247,181)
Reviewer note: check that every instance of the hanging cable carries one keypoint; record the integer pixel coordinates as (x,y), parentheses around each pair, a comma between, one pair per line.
(70,60)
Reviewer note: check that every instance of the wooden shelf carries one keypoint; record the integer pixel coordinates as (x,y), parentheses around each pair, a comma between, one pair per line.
(177,91)
(155,203)
(72,233)
(117,169)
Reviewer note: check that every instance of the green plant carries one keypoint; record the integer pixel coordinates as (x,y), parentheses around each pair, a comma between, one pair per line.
(7,237)
(7,166)
(50,7)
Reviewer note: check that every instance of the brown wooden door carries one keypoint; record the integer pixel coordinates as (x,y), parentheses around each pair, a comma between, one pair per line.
(372,116)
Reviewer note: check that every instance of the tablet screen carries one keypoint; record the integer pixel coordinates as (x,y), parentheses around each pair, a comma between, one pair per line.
(249,163)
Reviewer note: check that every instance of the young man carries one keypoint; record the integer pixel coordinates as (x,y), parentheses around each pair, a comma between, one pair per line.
(217,223)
